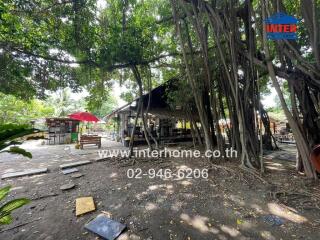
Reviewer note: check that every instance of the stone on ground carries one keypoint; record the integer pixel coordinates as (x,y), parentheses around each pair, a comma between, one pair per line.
(67,186)
(76,175)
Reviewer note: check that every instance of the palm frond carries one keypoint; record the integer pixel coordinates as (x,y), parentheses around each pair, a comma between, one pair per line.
(6,219)
(7,208)
(4,192)
(17,150)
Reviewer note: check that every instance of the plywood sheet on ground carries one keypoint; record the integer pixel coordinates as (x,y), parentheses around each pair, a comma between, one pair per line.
(84,205)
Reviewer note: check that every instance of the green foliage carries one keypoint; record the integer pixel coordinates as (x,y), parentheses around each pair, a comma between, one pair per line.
(4,192)
(106,107)
(179,94)
(277,114)
(8,134)
(17,150)
(99,91)
(15,110)
(127,96)
(130,92)
(63,104)
(12,131)
(7,208)
(38,40)
(74,44)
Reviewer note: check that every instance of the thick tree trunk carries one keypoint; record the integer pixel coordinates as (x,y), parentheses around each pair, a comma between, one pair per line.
(267,136)
(137,76)
(190,67)
(146,114)
(134,127)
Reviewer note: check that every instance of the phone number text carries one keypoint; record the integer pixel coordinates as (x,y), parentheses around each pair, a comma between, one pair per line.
(167,173)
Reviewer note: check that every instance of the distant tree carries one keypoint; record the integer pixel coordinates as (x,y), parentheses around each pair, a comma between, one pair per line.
(106,107)
(127,96)
(15,110)
(64,104)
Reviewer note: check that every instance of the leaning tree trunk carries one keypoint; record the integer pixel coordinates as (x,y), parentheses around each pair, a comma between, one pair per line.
(302,144)
(267,137)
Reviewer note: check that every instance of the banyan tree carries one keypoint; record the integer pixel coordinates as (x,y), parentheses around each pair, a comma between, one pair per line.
(219,49)
(227,57)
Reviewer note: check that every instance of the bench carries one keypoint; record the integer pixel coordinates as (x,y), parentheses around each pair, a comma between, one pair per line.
(90,140)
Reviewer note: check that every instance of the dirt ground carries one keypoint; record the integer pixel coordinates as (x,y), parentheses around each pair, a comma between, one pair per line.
(230,204)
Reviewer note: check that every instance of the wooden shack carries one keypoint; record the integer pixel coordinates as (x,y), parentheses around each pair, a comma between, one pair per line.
(165,124)
(62,130)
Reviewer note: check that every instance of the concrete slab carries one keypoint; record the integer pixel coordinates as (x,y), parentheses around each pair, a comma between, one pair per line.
(26,172)
(74,164)
(70,170)
(100,159)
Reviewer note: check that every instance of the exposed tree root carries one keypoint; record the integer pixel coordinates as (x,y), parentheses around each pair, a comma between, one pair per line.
(20,225)
(254,173)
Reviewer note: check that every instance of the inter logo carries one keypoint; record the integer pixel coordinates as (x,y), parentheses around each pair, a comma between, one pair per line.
(281,26)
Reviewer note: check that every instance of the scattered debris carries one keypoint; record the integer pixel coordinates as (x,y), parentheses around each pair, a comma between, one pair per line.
(76,175)
(273,220)
(67,186)
(84,205)
(105,227)
(240,221)
(70,170)
(27,172)
(74,164)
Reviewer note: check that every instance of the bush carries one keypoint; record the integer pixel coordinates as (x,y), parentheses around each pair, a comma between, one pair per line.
(8,134)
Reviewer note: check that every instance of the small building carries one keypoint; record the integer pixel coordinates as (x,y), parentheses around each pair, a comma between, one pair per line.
(62,130)
(165,124)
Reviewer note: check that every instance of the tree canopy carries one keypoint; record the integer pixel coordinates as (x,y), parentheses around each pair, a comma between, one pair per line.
(217,49)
